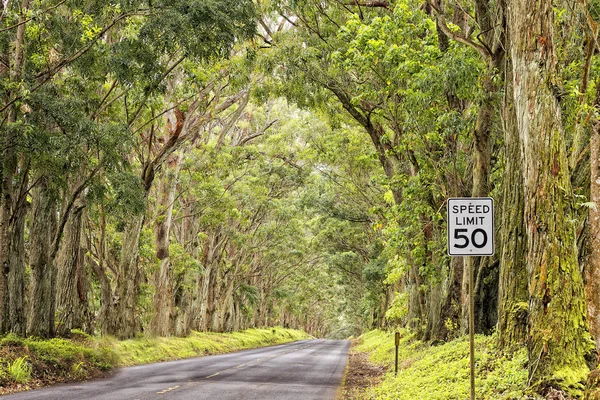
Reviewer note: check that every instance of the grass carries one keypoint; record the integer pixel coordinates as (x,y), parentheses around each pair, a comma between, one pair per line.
(28,362)
(31,362)
(19,370)
(148,350)
(442,372)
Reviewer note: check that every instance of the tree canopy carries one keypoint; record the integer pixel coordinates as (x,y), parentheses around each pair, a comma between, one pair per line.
(215,165)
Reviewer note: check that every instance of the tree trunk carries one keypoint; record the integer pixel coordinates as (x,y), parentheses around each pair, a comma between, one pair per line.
(124,321)
(16,276)
(41,293)
(512,290)
(449,322)
(9,158)
(592,270)
(6,201)
(557,339)
(71,296)
(99,270)
(163,322)
(482,156)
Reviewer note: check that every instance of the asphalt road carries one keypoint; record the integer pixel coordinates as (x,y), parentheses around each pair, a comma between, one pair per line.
(304,370)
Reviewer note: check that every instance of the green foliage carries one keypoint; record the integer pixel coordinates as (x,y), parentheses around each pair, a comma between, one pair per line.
(442,372)
(54,360)
(19,370)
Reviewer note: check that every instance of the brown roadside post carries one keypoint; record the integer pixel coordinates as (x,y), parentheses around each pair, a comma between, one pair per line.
(397,345)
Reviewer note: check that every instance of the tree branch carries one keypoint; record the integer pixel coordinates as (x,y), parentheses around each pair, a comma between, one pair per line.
(441,20)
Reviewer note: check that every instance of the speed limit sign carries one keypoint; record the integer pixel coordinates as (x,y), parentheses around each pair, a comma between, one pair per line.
(471,226)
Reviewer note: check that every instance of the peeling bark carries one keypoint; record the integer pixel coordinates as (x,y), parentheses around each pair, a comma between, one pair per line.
(40,321)
(71,296)
(163,322)
(512,297)
(558,338)
(592,270)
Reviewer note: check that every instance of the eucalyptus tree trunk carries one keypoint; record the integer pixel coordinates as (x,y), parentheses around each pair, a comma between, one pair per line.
(512,291)
(123,321)
(226,305)
(485,300)
(71,288)
(186,304)
(8,165)
(99,270)
(592,269)
(6,201)
(163,322)
(16,276)
(208,306)
(557,339)
(40,321)
(448,326)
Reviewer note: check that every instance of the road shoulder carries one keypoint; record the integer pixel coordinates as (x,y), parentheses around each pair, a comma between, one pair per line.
(361,375)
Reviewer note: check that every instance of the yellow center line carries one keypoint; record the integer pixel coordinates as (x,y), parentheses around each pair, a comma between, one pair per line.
(259,359)
(168,390)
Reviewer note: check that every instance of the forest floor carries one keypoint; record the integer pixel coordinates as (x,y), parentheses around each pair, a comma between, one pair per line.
(32,363)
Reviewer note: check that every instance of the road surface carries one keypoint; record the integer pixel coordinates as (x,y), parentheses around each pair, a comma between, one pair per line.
(304,370)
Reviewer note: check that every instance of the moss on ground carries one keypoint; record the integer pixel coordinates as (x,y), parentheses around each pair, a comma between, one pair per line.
(442,372)
(30,363)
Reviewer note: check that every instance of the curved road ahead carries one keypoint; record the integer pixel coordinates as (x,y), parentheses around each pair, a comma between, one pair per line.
(304,370)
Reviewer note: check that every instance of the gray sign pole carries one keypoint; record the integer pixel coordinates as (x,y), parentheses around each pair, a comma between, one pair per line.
(472,327)
(470,234)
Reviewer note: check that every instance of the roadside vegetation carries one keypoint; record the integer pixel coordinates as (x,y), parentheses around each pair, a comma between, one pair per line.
(442,372)
(30,363)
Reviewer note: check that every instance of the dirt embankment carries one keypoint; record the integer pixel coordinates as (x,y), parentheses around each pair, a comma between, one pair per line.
(361,375)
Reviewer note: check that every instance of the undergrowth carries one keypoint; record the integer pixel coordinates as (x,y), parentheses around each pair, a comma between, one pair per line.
(31,362)
(442,372)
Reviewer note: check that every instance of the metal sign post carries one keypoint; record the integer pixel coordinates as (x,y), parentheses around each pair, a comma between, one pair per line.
(471,233)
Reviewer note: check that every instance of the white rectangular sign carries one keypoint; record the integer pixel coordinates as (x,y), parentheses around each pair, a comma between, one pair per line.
(471,226)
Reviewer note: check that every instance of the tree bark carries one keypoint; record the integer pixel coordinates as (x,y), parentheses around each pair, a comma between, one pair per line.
(8,165)
(123,321)
(592,269)
(163,322)
(512,291)
(557,338)
(41,293)
(71,296)
(449,322)
(16,276)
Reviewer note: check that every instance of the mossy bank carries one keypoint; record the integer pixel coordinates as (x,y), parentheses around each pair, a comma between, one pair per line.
(30,363)
(442,372)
